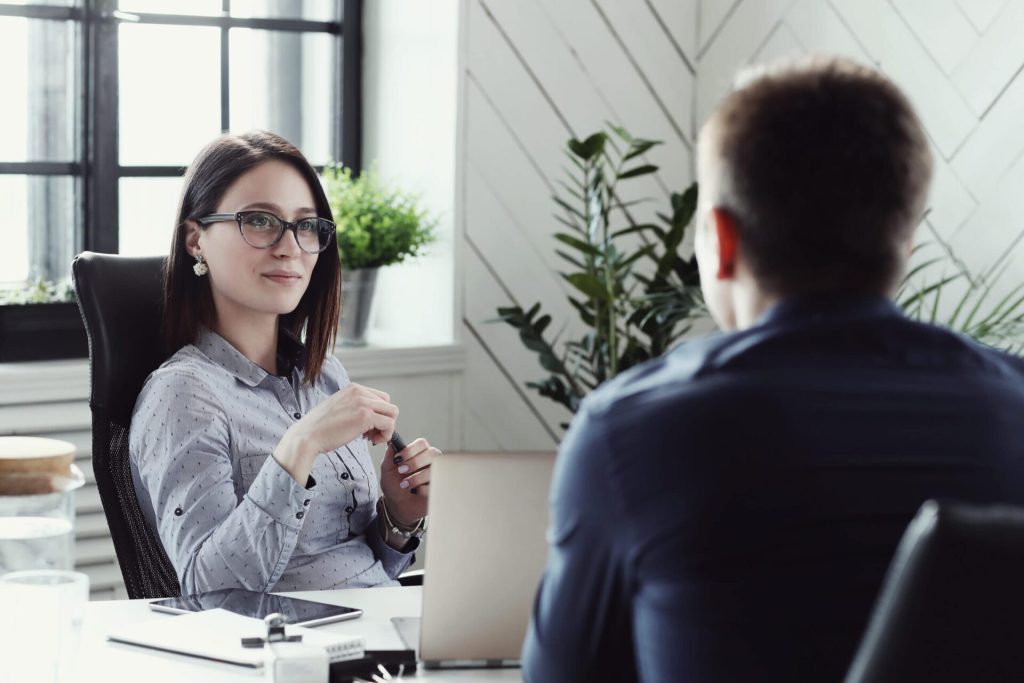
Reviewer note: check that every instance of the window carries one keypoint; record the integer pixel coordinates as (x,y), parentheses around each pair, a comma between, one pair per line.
(108,100)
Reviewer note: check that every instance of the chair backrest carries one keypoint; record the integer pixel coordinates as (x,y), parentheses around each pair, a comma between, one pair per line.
(952,602)
(121,299)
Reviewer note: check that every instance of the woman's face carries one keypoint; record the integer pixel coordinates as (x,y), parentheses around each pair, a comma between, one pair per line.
(252,285)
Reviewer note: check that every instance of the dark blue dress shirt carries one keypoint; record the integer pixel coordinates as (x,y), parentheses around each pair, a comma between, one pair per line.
(727,512)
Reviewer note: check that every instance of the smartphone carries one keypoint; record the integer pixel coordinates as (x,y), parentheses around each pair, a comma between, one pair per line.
(252,604)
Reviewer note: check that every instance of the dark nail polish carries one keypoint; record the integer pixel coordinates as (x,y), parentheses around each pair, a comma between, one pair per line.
(397,459)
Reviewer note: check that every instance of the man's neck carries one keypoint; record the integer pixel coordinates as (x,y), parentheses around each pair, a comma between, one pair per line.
(749,304)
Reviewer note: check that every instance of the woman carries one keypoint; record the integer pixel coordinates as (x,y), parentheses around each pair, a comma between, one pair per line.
(248,446)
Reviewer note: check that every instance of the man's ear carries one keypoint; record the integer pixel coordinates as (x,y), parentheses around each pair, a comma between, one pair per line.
(192,238)
(727,232)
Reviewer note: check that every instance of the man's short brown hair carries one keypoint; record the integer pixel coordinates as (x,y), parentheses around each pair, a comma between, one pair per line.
(826,167)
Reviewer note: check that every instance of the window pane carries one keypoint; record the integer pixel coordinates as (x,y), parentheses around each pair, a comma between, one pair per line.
(149,208)
(285,82)
(39,228)
(170,92)
(61,3)
(313,10)
(37,79)
(203,8)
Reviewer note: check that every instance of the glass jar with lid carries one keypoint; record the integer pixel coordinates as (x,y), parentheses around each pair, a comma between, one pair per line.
(38,480)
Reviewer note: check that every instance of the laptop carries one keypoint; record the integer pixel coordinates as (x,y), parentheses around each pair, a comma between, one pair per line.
(485,552)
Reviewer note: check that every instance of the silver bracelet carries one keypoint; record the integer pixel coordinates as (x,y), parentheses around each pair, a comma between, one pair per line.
(415,531)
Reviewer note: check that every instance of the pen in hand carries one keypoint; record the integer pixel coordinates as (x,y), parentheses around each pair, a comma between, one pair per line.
(397,444)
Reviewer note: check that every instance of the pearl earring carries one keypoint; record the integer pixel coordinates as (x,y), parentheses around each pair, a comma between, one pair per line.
(200,268)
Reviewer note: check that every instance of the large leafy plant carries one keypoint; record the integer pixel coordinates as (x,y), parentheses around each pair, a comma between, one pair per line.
(635,295)
(377,225)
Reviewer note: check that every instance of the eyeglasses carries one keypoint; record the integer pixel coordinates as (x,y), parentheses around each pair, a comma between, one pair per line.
(263,230)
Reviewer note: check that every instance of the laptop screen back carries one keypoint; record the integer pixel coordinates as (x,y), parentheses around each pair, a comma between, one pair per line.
(485,552)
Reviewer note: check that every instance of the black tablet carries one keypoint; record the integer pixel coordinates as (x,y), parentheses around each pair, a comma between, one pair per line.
(259,605)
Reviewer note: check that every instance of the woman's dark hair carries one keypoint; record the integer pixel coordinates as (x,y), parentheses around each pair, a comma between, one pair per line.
(188,302)
(826,166)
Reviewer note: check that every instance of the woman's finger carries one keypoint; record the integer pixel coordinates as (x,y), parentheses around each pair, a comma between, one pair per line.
(412,450)
(393,460)
(416,479)
(418,462)
(378,406)
(360,388)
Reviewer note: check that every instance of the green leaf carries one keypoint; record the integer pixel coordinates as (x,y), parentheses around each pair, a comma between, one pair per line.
(577,193)
(587,283)
(638,148)
(506,311)
(592,147)
(637,171)
(620,131)
(634,257)
(640,228)
(586,315)
(570,259)
(569,224)
(577,244)
(569,207)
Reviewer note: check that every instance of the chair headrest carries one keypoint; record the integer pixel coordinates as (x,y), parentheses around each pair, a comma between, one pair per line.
(121,300)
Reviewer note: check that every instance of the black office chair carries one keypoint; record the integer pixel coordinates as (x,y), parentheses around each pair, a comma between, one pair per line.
(120,299)
(952,606)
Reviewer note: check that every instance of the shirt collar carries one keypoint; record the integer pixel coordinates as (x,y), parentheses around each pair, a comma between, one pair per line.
(828,307)
(291,355)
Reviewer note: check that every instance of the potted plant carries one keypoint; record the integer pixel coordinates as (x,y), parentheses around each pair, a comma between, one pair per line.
(378,226)
(635,298)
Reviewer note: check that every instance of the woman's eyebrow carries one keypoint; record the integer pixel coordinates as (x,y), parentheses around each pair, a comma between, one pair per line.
(270,206)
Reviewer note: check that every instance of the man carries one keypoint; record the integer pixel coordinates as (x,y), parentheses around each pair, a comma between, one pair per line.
(727,512)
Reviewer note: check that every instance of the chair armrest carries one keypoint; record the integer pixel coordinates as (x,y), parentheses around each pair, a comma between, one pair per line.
(411,578)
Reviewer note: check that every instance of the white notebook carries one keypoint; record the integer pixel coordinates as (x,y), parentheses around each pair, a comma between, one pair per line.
(216,635)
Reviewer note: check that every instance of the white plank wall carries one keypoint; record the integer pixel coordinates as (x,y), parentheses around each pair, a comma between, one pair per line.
(535,72)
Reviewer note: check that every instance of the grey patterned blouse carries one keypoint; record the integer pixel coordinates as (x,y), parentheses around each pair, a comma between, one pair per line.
(202,434)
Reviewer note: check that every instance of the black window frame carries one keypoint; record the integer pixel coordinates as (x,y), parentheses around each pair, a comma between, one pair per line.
(98,170)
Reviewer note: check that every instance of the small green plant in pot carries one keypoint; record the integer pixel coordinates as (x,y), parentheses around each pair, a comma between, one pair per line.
(378,226)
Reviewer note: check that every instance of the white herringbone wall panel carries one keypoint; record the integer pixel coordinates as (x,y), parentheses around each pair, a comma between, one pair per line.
(537,71)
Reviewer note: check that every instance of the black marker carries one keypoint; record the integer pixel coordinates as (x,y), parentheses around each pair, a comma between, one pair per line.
(397,446)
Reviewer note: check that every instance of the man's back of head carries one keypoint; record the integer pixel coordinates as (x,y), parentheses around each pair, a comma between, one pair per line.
(821,168)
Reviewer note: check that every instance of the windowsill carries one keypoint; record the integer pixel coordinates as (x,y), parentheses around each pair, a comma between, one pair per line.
(68,380)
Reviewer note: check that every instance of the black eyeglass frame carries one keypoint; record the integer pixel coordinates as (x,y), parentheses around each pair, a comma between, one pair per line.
(324,226)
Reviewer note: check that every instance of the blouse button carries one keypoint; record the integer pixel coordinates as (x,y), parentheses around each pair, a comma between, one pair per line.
(178,511)
(296,415)
(344,475)
(349,509)
(300,514)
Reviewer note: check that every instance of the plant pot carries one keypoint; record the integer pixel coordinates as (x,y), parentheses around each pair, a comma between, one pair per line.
(357,287)
(41,332)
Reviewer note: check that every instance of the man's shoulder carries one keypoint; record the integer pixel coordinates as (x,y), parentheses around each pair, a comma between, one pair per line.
(726,367)
(685,372)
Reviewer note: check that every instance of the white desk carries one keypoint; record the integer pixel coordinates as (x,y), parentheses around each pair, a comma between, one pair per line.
(100,660)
